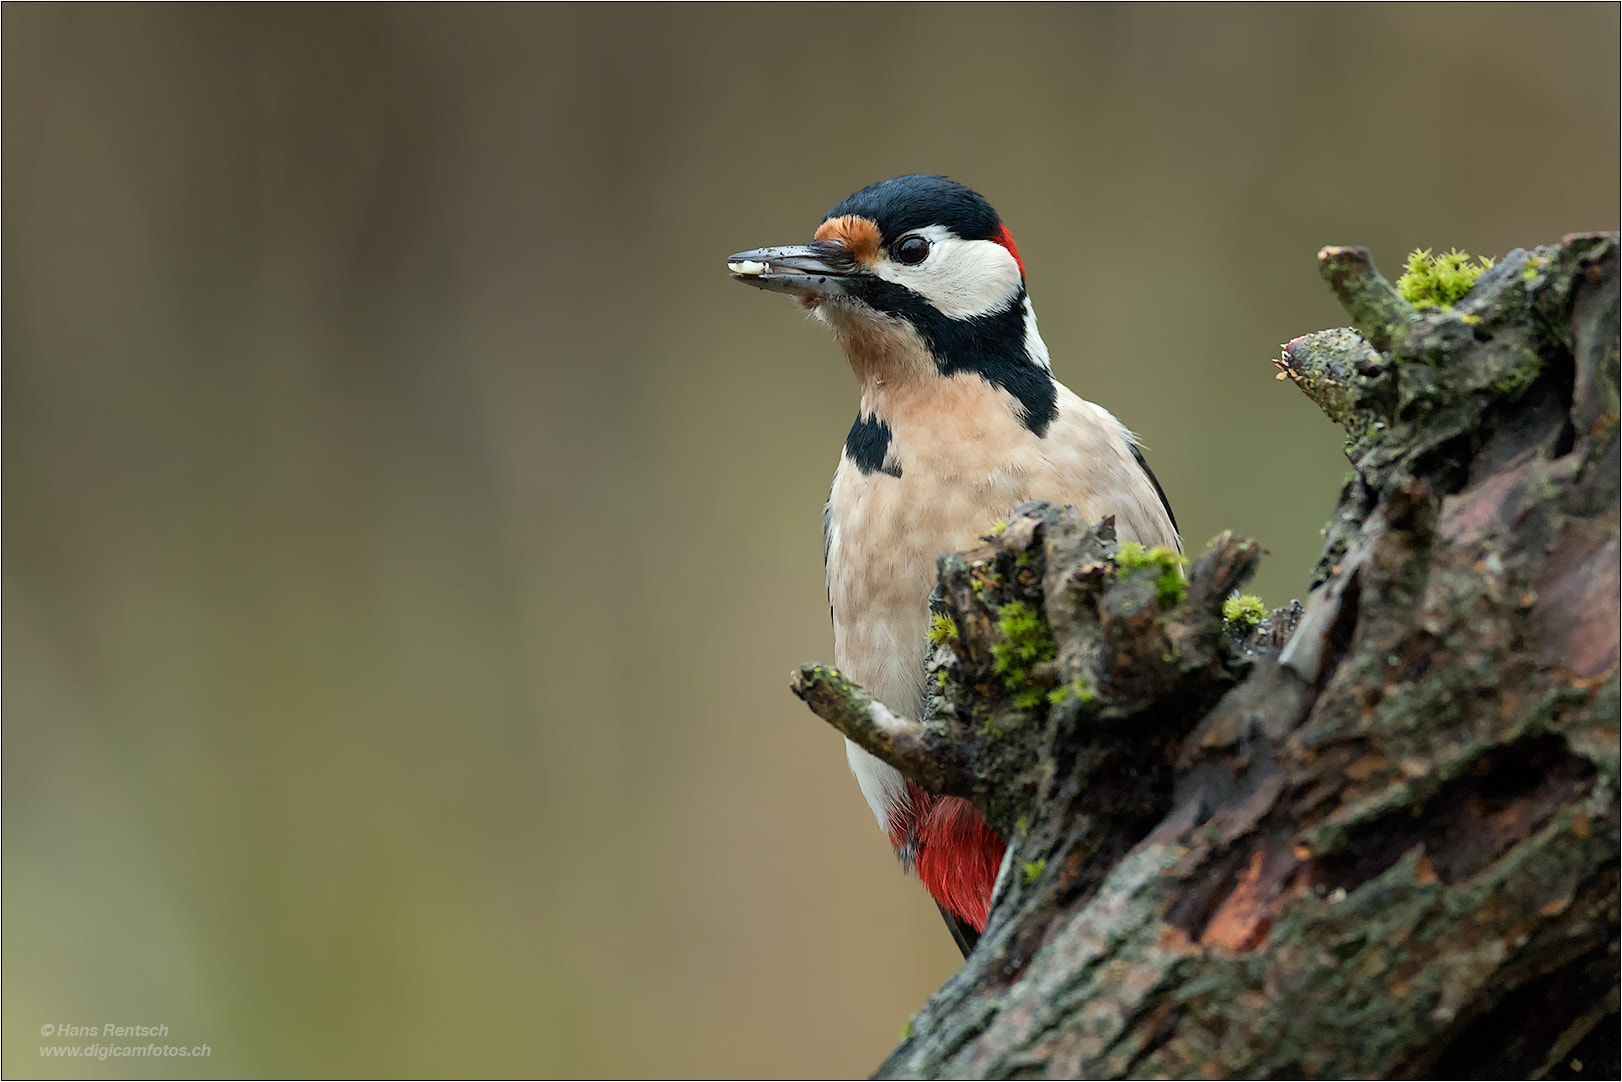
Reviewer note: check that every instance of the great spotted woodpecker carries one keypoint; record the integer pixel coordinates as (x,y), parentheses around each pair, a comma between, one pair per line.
(960,421)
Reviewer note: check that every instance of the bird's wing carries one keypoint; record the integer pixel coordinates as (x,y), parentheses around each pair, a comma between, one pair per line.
(827,541)
(963,933)
(1137,453)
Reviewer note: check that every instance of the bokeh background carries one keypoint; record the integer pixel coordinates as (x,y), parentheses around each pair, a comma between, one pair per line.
(409,529)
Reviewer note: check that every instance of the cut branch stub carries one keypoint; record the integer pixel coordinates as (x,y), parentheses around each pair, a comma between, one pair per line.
(1342,373)
(1378,312)
(927,757)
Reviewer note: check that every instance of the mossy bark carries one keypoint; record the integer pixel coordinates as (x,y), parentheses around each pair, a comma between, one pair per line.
(1377,836)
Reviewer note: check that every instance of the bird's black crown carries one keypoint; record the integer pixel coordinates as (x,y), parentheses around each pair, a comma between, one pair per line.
(902,204)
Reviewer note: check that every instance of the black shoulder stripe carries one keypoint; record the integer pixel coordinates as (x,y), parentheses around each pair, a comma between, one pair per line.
(1031,386)
(867,444)
(1155,481)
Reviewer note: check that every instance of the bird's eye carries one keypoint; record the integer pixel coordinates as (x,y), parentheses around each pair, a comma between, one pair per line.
(911,251)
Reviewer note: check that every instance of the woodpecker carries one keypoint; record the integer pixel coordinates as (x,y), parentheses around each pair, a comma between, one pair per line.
(960,420)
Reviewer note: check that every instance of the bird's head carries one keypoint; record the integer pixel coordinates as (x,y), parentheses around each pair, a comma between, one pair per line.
(917,272)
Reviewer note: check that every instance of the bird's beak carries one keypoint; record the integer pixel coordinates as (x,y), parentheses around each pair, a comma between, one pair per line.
(820,269)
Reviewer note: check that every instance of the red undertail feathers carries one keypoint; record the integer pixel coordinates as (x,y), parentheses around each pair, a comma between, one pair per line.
(955,853)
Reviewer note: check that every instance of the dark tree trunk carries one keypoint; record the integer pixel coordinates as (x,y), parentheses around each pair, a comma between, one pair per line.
(1374,836)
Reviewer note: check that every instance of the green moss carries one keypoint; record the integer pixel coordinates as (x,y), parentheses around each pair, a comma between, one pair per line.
(1130,556)
(942,628)
(1034,870)
(1026,642)
(1022,825)
(1076,687)
(1028,698)
(998,528)
(1432,281)
(1166,562)
(1513,384)
(1245,612)
(906,1030)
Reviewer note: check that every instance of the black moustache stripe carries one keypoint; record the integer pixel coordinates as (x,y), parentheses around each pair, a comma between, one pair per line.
(991,346)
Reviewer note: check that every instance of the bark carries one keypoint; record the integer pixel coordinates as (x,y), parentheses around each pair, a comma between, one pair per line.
(1376,835)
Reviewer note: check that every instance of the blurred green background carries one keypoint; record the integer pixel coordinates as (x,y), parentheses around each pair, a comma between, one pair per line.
(409,529)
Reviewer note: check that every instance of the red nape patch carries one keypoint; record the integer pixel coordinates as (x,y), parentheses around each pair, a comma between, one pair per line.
(957,857)
(1006,239)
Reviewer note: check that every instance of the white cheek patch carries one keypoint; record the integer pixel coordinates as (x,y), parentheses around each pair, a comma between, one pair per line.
(962,278)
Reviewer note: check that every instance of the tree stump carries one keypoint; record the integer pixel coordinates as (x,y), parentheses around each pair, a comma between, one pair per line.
(1374,836)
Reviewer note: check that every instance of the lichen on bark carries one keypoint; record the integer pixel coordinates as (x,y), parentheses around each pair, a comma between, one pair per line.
(1377,834)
